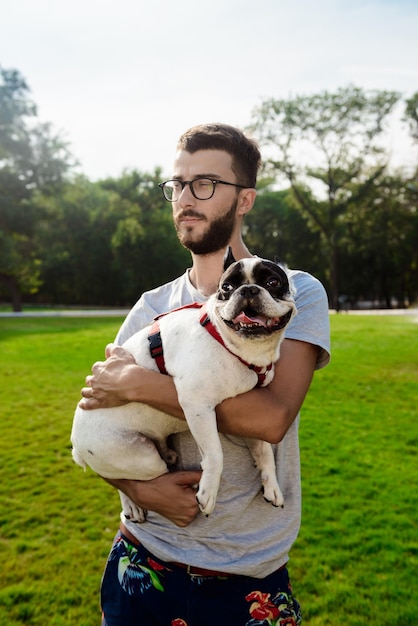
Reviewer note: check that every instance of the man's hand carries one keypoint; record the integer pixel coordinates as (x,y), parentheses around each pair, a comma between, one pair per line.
(172,495)
(112,381)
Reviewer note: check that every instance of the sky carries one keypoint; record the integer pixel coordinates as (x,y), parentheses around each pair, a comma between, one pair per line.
(121,80)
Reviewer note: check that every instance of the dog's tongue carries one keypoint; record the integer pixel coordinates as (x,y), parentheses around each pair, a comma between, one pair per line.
(243,318)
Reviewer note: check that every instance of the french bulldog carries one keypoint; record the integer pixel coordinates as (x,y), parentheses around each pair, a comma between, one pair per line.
(220,352)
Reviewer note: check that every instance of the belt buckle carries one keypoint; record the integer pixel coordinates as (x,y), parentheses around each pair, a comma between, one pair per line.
(192,574)
(189,570)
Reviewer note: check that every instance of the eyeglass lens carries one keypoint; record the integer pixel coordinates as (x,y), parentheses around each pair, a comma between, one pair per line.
(202,189)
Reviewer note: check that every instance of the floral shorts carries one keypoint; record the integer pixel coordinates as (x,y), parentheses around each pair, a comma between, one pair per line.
(140,590)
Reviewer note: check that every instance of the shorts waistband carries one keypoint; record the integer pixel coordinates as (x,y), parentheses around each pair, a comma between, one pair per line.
(192,570)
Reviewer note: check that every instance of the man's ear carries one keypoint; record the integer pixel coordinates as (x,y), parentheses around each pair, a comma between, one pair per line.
(246,199)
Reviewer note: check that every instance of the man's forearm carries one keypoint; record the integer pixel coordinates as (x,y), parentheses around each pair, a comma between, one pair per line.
(255,414)
(157,390)
(263,413)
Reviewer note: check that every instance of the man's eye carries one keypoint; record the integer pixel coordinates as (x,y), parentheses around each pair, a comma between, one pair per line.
(203,184)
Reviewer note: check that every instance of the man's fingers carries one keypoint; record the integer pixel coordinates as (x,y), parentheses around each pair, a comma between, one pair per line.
(188,478)
(109,350)
(113,350)
(88,404)
(87,392)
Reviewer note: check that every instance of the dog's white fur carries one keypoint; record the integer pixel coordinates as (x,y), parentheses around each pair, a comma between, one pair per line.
(119,442)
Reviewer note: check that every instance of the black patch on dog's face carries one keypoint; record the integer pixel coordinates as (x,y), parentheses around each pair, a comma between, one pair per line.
(265,274)
(233,278)
(273,278)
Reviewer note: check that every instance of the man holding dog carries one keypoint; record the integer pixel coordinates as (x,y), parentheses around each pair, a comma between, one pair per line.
(180,568)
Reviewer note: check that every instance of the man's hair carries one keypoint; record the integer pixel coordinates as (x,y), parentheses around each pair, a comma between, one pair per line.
(246,157)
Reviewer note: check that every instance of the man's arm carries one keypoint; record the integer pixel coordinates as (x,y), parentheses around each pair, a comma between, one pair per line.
(268,412)
(263,413)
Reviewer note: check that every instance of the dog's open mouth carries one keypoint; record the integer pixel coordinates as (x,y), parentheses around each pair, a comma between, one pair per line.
(250,321)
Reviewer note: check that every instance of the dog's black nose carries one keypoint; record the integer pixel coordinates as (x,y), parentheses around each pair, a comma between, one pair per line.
(249,291)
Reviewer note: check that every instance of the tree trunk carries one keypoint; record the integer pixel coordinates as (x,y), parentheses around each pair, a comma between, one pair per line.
(335,292)
(15,294)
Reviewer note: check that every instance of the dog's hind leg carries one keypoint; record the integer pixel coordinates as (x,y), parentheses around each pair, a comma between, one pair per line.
(131,511)
(166,453)
(262,453)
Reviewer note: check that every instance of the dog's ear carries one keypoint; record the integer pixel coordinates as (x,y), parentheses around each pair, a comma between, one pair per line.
(280,263)
(228,258)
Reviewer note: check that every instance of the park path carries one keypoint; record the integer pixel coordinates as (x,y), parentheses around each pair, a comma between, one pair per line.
(124,312)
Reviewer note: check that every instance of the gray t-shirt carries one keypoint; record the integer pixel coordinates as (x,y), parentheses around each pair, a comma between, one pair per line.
(244,534)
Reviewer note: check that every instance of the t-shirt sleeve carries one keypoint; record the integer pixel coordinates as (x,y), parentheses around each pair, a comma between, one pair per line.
(311,324)
(139,316)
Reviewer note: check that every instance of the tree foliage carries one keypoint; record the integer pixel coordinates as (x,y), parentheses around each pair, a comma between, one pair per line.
(327,146)
(31,158)
(343,215)
(104,243)
(411,115)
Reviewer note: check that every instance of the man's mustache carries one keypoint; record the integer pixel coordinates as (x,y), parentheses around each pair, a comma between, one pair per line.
(190,213)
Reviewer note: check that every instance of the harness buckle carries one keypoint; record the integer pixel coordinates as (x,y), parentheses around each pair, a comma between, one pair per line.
(155,344)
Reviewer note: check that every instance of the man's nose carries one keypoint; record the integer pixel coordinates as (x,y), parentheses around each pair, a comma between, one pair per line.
(186,198)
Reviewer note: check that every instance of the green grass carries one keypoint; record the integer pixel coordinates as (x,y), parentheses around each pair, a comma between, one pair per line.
(355,560)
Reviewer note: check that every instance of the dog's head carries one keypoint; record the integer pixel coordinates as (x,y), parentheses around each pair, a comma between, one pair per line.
(255,298)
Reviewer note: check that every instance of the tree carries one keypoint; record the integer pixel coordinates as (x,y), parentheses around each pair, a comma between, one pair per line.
(380,255)
(144,246)
(411,115)
(104,243)
(32,158)
(321,145)
(274,228)
(73,239)
(15,108)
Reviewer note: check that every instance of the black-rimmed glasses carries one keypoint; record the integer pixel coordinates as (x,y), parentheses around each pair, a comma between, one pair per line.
(201,188)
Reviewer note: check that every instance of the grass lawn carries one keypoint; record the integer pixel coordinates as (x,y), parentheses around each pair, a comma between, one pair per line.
(355,561)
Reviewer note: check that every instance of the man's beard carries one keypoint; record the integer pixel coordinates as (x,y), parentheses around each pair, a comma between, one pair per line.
(215,238)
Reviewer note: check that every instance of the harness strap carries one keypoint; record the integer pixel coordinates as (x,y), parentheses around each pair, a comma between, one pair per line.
(211,328)
(154,336)
(156,344)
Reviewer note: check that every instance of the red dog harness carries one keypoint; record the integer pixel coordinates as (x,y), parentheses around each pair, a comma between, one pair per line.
(156,344)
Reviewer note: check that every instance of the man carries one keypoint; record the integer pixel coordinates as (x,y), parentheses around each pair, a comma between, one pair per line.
(180,568)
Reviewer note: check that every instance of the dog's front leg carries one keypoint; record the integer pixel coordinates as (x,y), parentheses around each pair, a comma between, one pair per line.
(262,453)
(202,424)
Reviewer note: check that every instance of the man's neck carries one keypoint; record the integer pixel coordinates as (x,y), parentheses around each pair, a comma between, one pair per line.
(207,269)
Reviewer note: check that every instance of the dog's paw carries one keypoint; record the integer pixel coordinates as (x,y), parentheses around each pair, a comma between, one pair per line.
(136,515)
(208,490)
(206,501)
(131,511)
(272,493)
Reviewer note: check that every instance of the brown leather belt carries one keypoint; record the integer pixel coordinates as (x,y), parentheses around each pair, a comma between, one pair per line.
(191,569)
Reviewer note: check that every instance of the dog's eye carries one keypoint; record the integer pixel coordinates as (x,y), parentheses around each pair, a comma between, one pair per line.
(227,287)
(273,282)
